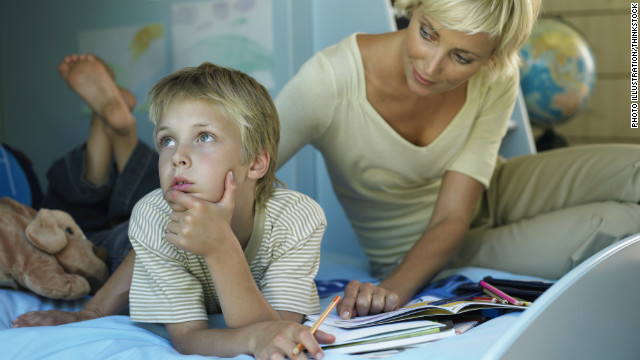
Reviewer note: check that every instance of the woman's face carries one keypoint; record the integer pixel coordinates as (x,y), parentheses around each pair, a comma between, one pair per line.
(438,59)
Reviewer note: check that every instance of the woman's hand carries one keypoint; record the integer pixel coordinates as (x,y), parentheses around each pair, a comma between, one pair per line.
(448,224)
(366,299)
(53,317)
(277,339)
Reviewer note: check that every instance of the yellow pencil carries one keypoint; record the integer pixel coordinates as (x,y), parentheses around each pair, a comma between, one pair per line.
(495,296)
(315,326)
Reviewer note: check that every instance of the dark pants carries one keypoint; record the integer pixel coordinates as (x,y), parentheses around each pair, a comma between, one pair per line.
(103,212)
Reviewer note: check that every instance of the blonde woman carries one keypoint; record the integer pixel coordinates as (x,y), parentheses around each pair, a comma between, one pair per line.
(409,124)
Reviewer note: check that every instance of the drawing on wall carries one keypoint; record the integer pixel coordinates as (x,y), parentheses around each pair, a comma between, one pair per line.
(138,61)
(232,33)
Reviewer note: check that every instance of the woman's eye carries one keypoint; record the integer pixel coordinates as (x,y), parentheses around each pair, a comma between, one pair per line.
(426,34)
(462,60)
(165,141)
(205,137)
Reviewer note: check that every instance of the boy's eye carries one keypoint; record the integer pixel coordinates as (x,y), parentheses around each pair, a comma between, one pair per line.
(205,137)
(165,141)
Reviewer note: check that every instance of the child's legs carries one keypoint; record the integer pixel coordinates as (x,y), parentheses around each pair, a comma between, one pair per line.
(138,178)
(94,207)
(531,185)
(70,192)
(98,152)
(549,245)
(115,241)
(113,127)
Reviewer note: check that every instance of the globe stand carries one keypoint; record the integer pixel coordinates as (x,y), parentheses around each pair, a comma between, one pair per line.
(550,140)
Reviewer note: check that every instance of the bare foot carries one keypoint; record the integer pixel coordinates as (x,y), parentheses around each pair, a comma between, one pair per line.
(88,76)
(128,98)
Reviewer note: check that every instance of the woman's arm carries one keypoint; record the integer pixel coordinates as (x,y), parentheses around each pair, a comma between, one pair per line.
(449,223)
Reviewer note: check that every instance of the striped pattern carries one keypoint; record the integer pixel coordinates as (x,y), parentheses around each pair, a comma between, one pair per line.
(171,285)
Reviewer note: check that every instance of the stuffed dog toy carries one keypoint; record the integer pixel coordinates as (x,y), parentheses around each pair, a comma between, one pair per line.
(46,252)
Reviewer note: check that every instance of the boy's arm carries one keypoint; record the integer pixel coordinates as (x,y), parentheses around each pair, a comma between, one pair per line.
(203,228)
(113,296)
(110,299)
(262,340)
(290,316)
(240,299)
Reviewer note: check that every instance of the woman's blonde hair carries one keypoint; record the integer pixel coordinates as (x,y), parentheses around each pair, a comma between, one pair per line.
(238,97)
(508,21)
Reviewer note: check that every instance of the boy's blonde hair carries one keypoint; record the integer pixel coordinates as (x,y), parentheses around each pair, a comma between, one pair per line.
(508,21)
(238,97)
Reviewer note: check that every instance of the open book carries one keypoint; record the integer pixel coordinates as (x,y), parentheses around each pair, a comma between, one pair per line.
(401,328)
(426,305)
(411,324)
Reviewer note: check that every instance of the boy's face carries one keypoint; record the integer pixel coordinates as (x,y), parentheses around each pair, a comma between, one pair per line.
(197,147)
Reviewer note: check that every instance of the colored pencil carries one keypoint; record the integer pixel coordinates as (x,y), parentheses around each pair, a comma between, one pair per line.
(485,298)
(500,293)
(315,326)
(495,296)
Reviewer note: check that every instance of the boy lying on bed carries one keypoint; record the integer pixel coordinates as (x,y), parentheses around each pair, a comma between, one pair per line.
(217,236)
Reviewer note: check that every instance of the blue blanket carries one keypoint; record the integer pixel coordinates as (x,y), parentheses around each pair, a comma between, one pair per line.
(118,337)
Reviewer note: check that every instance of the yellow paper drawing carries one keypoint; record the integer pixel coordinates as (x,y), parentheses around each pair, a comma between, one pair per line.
(144,38)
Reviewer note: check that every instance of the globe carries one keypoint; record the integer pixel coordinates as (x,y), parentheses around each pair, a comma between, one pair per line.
(558,72)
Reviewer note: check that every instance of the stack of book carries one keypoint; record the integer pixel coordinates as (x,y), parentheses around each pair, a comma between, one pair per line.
(384,336)
(401,328)
(414,323)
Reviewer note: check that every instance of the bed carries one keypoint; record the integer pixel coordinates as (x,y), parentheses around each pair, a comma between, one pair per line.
(566,322)
(571,320)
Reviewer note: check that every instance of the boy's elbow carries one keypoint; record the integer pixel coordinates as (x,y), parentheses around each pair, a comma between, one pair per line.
(258,317)
(182,347)
(290,316)
(185,336)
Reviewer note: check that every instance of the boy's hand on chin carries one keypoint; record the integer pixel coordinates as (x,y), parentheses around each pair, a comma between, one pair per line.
(200,226)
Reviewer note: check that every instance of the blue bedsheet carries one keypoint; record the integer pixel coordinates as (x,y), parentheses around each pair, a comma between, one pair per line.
(118,337)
